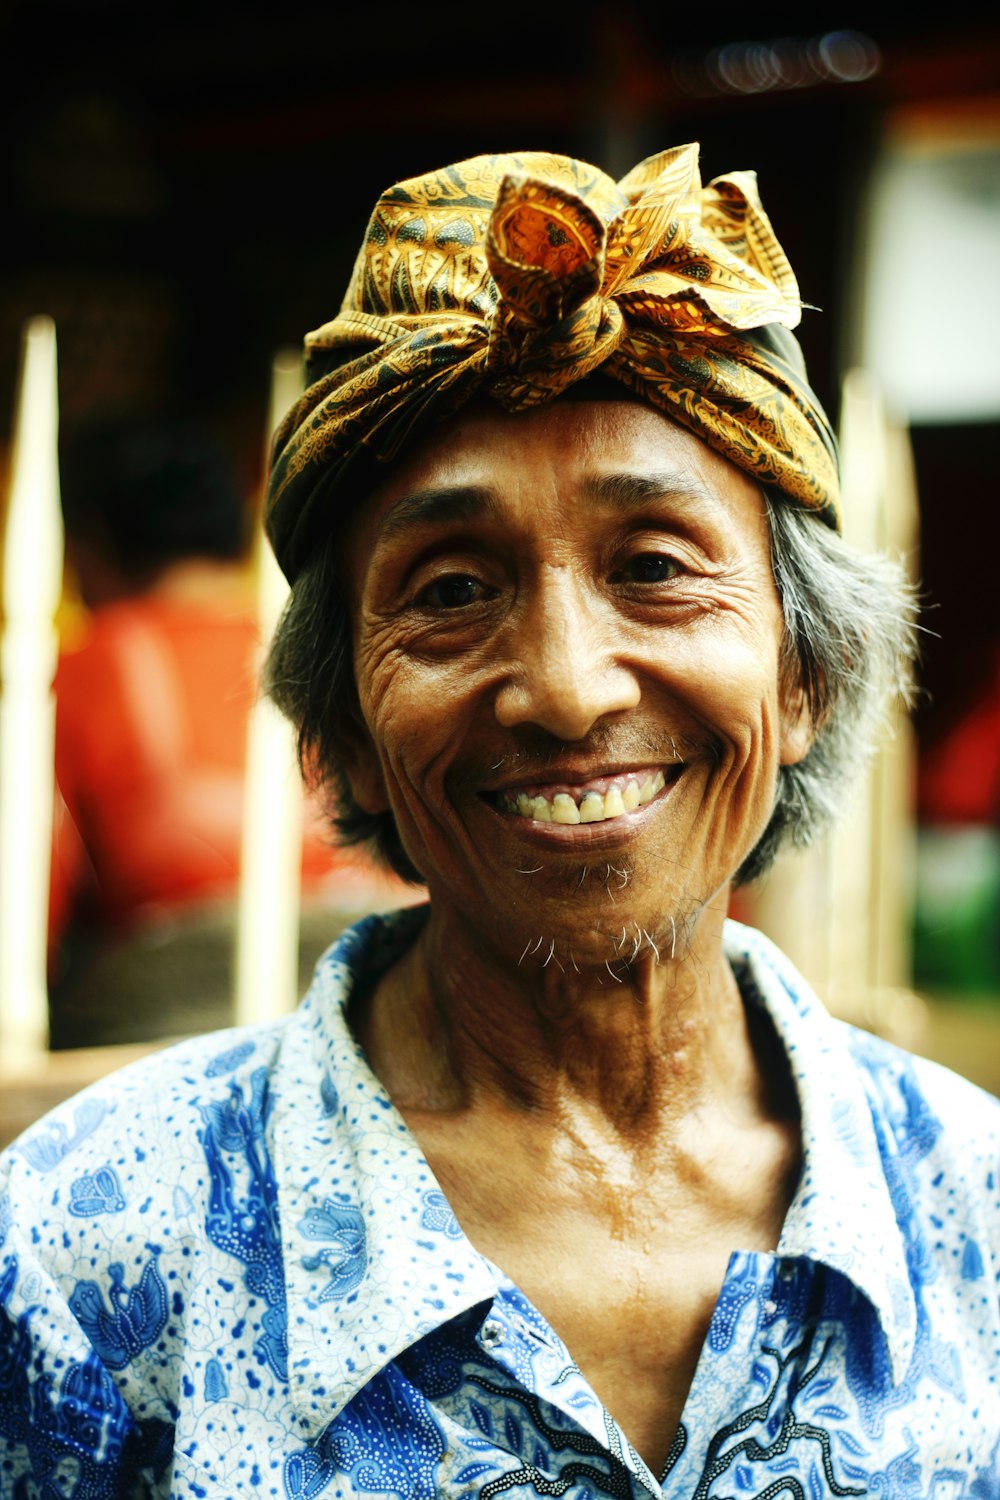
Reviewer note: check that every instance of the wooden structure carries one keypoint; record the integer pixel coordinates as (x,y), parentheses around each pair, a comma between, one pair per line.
(32,585)
(32,1079)
(267,946)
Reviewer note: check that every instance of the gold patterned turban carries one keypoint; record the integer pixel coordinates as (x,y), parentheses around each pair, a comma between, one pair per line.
(514,277)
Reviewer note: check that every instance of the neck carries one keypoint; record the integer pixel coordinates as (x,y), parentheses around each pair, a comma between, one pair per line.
(202,580)
(637,1041)
(191,581)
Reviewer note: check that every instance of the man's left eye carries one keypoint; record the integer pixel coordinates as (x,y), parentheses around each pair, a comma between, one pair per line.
(649,567)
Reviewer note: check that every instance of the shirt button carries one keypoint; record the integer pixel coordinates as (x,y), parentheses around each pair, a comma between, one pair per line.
(492,1334)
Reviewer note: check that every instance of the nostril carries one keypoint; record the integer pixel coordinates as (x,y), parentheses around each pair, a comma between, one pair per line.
(564,701)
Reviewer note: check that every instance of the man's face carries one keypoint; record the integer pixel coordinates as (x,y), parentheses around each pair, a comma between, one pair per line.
(566,644)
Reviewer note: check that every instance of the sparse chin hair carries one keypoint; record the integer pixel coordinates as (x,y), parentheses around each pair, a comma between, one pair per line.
(619,943)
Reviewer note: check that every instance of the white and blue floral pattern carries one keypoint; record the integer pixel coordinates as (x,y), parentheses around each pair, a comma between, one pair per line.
(228,1271)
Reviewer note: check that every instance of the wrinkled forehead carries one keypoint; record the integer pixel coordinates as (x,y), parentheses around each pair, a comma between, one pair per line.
(569,454)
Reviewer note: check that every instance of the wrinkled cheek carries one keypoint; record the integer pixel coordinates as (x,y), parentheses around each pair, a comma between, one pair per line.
(413,789)
(738,797)
(754,801)
(414,764)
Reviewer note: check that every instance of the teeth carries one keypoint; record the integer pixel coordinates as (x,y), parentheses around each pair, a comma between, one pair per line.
(564,809)
(650,787)
(592,808)
(614,803)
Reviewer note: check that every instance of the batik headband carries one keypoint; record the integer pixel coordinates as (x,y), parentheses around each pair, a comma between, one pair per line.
(514,277)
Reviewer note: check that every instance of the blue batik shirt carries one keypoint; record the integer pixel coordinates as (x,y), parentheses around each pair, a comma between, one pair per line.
(229,1271)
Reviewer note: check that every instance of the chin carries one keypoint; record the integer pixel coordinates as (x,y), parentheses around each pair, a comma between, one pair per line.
(588,919)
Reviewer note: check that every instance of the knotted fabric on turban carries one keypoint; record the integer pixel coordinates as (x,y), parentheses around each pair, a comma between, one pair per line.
(515,276)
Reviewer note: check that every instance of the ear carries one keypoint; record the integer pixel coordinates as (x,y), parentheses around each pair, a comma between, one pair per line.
(360,764)
(798,732)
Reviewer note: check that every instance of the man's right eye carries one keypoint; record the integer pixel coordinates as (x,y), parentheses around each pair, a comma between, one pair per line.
(454,591)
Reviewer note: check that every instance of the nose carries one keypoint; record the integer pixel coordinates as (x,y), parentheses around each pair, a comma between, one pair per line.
(566,669)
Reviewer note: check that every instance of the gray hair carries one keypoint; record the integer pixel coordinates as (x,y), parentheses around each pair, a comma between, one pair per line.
(848,648)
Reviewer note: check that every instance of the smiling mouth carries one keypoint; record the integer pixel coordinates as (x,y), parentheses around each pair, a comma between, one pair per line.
(596,801)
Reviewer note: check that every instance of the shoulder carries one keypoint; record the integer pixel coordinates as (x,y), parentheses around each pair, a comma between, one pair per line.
(926,1112)
(95,640)
(895,1080)
(88,676)
(147,1136)
(125,1217)
(936,1135)
(130,1137)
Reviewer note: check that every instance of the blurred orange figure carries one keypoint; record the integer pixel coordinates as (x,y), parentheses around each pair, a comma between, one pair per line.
(152,706)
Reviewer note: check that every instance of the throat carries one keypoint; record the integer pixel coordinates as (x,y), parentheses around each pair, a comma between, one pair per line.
(634,1310)
(451,1026)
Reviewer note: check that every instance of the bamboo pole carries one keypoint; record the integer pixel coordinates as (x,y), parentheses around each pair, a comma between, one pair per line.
(853,896)
(267,937)
(32,584)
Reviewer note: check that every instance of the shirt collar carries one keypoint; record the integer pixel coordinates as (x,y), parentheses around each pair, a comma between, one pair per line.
(374,1259)
(842,1213)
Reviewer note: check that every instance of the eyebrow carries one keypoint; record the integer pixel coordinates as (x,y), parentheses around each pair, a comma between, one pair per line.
(443,504)
(448,504)
(630,491)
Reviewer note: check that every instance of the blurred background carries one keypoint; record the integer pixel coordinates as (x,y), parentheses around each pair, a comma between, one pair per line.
(185,189)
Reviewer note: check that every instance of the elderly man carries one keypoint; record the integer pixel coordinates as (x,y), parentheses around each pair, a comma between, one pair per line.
(559,1185)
